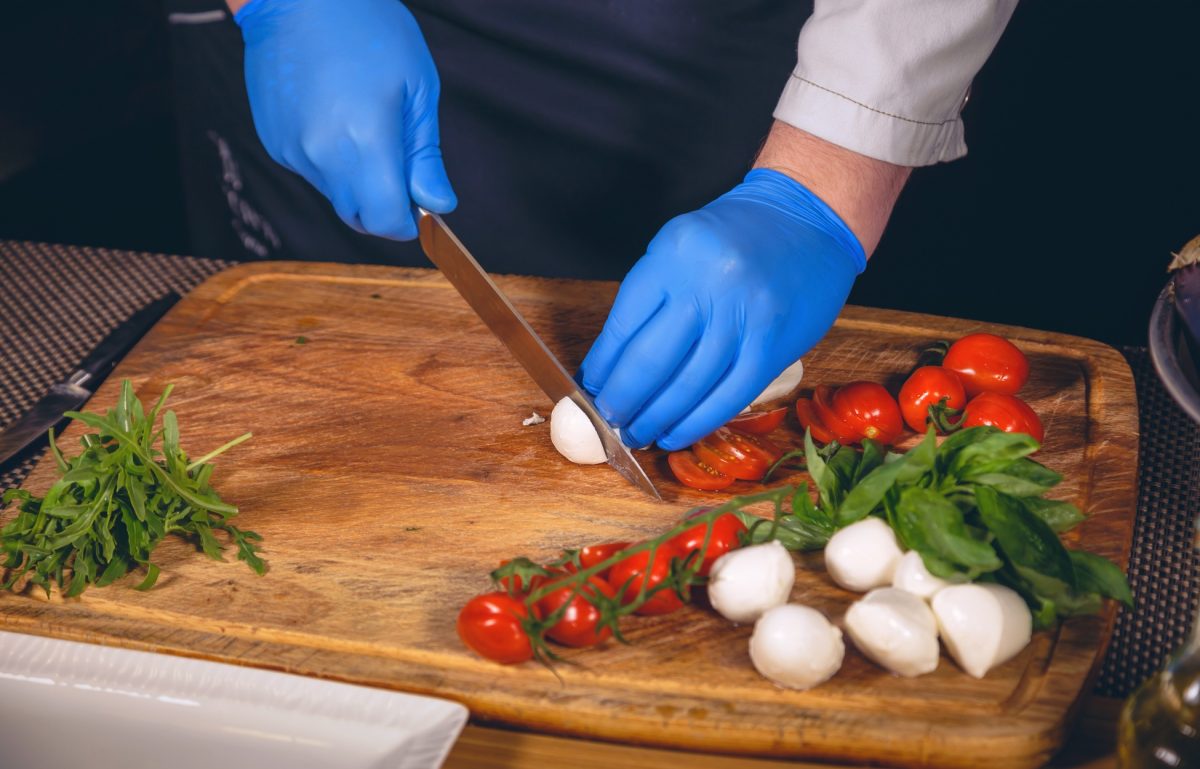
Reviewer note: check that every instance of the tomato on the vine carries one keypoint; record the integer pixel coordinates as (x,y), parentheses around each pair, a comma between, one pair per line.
(741,455)
(725,536)
(987,363)
(690,471)
(929,386)
(869,410)
(758,422)
(591,555)
(579,623)
(517,584)
(1007,412)
(807,416)
(629,574)
(490,625)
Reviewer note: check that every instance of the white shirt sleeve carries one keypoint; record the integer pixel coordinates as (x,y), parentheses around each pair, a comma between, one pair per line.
(888,78)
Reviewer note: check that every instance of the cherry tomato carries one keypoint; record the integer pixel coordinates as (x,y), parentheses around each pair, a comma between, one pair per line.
(927,387)
(628,575)
(842,432)
(516,584)
(987,363)
(870,411)
(744,456)
(1007,412)
(807,416)
(578,626)
(692,472)
(758,422)
(594,554)
(724,537)
(490,625)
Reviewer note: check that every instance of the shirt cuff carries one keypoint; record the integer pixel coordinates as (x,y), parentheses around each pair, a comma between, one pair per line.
(885,136)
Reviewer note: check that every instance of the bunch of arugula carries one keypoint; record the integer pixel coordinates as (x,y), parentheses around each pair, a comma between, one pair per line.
(116,501)
(973,507)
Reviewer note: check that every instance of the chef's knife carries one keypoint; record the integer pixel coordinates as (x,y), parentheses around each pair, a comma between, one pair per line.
(489,302)
(78,387)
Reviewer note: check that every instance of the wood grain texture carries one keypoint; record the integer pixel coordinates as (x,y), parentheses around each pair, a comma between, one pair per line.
(389,473)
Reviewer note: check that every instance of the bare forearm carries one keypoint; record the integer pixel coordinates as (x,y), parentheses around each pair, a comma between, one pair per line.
(860,189)
(235,5)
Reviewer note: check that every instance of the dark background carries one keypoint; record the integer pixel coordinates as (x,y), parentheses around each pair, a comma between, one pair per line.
(1081,176)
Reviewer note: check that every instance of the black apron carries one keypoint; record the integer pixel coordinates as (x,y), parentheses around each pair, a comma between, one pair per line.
(572,129)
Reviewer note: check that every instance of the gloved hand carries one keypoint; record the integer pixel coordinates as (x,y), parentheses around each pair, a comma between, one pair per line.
(344,93)
(724,299)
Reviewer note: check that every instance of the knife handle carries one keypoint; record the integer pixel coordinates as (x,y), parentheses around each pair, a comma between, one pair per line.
(121,339)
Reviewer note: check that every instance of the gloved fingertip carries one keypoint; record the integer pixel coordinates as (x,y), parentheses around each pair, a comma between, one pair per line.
(632,440)
(669,443)
(430,186)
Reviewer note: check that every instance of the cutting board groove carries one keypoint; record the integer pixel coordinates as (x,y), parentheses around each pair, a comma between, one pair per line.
(389,472)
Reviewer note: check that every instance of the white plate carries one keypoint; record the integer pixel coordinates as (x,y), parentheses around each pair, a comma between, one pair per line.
(68,704)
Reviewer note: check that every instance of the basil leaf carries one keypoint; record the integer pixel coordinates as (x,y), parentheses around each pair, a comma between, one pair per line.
(994,453)
(933,526)
(1021,478)
(1058,515)
(868,494)
(1023,537)
(1097,574)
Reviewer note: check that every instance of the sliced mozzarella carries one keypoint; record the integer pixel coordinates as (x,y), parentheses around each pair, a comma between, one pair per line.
(911,575)
(573,435)
(796,647)
(982,625)
(895,629)
(863,555)
(746,582)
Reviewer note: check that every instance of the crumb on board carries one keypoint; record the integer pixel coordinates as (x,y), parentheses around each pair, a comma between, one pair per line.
(535,419)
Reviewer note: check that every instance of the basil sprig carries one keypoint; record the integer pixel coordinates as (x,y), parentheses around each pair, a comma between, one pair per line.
(131,486)
(973,507)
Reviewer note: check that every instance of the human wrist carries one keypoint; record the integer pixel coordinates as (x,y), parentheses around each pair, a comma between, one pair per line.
(804,208)
(236,5)
(859,189)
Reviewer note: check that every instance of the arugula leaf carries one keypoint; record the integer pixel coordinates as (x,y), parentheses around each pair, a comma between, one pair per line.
(116,501)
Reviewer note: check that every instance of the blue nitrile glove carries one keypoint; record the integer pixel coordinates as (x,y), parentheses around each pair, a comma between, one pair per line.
(724,300)
(344,93)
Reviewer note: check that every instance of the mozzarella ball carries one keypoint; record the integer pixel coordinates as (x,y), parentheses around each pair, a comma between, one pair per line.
(912,576)
(573,435)
(746,582)
(982,625)
(783,385)
(896,629)
(863,555)
(796,647)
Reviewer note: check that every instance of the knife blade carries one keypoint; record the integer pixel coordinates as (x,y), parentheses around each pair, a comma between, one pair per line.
(449,255)
(78,387)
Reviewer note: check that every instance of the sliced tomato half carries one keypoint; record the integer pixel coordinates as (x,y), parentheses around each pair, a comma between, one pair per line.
(758,422)
(742,455)
(842,432)
(809,420)
(690,471)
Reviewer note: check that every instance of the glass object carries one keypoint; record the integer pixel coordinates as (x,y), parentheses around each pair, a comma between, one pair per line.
(1160,724)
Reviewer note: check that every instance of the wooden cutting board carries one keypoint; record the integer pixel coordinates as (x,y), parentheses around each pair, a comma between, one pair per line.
(389,473)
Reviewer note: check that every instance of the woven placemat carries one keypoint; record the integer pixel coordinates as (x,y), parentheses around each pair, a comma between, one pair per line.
(58,302)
